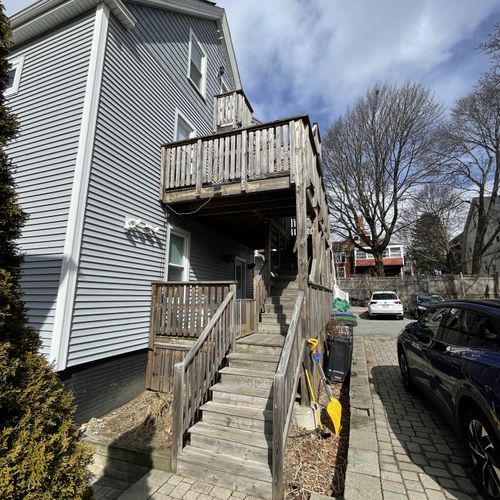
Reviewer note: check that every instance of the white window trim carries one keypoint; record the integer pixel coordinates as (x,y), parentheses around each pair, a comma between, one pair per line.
(201,91)
(187,238)
(17,64)
(183,116)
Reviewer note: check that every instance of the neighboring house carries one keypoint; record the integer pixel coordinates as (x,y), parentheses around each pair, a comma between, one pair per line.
(98,87)
(136,171)
(343,257)
(393,258)
(490,260)
(351,261)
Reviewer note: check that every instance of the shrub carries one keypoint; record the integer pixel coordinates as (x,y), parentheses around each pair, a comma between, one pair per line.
(41,454)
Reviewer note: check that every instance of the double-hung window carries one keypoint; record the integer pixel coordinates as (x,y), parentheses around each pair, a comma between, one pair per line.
(183,129)
(178,255)
(197,64)
(14,75)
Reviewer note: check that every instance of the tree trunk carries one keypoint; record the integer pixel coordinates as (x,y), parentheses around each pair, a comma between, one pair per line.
(477,252)
(379,264)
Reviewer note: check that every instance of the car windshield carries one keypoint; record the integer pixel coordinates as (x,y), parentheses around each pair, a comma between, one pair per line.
(385,296)
(429,298)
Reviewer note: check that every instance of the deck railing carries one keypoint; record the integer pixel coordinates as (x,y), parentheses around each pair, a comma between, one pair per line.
(183,309)
(285,384)
(194,376)
(247,154)
(319,303)
(232,110)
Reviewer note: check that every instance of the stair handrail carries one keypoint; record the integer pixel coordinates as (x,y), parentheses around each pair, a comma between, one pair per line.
(191,387)
(285,384)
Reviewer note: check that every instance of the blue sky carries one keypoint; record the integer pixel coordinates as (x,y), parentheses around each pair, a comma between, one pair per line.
(318,56)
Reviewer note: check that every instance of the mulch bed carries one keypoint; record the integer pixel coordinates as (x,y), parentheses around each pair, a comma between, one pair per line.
(314,463)
(144,423)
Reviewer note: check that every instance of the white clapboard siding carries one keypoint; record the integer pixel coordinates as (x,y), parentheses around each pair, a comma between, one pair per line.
(144,82)
(48,106)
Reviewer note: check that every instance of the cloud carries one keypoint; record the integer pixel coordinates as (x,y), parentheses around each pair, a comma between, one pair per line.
(317,56)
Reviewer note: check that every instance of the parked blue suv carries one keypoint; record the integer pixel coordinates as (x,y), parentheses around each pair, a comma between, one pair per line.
(453,354)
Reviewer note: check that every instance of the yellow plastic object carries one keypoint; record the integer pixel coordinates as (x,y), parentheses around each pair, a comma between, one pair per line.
(333,408)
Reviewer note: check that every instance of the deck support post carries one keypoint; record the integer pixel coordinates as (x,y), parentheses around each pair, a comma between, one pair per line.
(300,165)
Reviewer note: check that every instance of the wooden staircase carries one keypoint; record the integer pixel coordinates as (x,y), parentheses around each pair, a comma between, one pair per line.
(231,445)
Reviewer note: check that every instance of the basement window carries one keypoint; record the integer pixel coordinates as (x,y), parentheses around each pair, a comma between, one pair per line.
(197,64)
(14,76)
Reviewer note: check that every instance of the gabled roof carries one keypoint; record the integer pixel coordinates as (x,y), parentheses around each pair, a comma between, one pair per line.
(45,15)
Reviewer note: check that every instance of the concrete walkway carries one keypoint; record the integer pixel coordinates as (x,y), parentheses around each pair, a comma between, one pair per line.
(400,447)
(160,485)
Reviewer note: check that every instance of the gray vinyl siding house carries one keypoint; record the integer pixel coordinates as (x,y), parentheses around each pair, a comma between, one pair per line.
(102,87)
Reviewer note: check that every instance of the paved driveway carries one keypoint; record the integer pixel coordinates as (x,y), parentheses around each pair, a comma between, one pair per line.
(380,325)
(419,455)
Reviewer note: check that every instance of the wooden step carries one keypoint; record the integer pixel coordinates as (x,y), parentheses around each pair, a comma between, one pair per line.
(238,417)
(278,308)
(268,362)
(253,397)
(233,473)
(238,443)
(246,377)
(261,343)
(277,317)
(284,299)
(272,327)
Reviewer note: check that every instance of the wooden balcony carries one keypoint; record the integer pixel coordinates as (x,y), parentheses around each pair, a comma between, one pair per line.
(253,159)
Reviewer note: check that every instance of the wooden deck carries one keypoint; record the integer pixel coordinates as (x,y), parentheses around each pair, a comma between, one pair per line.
(252,159)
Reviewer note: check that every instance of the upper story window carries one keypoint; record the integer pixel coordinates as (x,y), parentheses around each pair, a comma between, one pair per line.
(197,64)
(340,257)
(14,75)
(183,129)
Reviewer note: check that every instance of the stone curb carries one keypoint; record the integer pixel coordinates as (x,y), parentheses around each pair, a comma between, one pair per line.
(363,470)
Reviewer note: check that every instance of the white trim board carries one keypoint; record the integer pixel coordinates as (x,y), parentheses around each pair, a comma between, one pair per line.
(71,254)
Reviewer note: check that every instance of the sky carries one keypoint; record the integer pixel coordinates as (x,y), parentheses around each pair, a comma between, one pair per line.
(317,57)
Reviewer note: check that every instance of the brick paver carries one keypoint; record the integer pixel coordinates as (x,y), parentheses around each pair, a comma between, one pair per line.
(160,485)
(419,455)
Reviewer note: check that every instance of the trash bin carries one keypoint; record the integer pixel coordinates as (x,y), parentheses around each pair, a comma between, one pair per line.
(339,356)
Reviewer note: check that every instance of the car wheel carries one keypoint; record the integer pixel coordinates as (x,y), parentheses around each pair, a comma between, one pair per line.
(401,317)
(405,372)
(484,452)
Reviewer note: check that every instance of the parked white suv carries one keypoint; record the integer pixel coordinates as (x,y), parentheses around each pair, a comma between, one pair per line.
(385,303)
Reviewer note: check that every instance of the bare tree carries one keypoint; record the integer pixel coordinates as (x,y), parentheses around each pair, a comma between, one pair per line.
(472,137)
(492,48)
(433,218)
(374,156)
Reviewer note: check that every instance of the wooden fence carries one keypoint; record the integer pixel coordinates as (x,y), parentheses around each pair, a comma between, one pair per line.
(286,380)
(183,309)
(194,376)
(179,313)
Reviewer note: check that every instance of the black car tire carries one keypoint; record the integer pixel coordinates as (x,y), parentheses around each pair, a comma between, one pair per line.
(405,372)
(484,451)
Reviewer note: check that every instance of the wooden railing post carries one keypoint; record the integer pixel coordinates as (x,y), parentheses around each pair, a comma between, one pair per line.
(279,406)
(232,312)
(177,414)
(199,166)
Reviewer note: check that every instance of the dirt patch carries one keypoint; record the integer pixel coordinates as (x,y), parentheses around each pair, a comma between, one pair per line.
(144,423)
(314,463)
